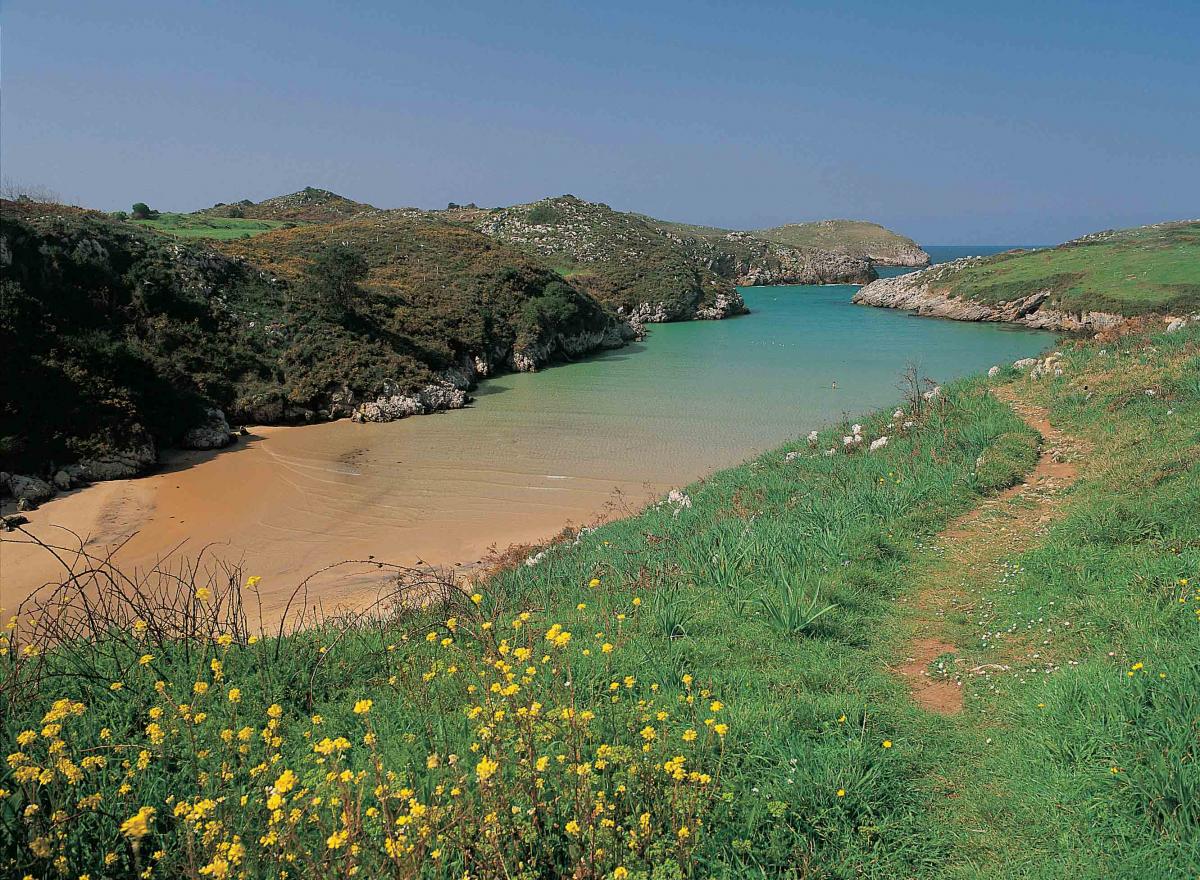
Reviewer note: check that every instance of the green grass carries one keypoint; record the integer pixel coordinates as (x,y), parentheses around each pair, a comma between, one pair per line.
(1093,770)
(1152,269)
(203,226)
(826,769)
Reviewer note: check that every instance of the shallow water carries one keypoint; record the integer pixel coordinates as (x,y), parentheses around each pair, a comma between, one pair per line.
(535,451)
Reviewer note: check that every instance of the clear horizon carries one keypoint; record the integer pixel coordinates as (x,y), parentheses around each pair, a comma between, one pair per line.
(950,125)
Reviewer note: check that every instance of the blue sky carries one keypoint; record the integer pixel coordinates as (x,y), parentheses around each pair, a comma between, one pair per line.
(952,122)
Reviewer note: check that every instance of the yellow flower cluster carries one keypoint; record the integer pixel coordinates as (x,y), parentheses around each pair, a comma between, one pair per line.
(521,747)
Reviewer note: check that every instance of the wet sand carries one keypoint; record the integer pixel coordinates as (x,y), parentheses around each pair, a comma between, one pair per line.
(288,501)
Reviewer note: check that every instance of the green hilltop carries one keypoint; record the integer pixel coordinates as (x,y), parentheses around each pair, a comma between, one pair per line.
(1147,269)
(1088,284)
(858,238)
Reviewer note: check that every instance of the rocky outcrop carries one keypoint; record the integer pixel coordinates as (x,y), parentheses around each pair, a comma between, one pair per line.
(754,262)
(392,404)
(120,464)
(450,389)
(562,346)
(214,433)
(928,293)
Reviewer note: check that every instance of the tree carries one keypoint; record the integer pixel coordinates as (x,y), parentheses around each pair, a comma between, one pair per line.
(334,276)
(142,211)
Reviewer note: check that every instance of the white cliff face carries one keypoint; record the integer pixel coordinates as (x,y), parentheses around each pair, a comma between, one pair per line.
(925,293)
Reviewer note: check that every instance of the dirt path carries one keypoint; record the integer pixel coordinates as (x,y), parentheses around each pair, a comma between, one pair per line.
(972,551)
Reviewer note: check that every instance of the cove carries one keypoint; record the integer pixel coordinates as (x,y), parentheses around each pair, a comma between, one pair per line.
(535,451)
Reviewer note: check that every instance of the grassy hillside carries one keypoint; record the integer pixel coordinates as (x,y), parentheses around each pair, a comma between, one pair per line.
(126,337)
(663,697)
(206,226)
(1149,269)
(857,238)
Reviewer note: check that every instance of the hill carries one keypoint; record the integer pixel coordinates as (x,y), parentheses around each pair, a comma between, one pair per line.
(620,259)
(1089,283)
(854,238)
(750,260)
(309,205)
(127,341)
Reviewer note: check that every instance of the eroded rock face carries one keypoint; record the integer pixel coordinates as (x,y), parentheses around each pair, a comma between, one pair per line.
(215,433)
(29,489)
(563,346)
(393,404)
(753,262)
(119,465)
(924,293)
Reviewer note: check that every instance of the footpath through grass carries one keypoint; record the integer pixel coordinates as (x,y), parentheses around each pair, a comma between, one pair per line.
(663,696)
(1079,753)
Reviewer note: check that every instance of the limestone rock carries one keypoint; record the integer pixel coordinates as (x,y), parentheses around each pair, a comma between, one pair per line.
(121,464)
(925,293)
(393,404)
(214,433)
(30,490)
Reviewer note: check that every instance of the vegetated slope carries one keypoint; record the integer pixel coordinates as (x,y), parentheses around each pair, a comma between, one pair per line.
(470,305)
(655,696)
(621,259)
(124,339)
(1086,284)
(855,238)
(309,205)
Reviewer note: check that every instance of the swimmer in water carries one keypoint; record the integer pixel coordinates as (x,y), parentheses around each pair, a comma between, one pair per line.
(835,384)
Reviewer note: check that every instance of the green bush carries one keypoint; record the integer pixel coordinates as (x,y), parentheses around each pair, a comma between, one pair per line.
(1006,461)
(543,215)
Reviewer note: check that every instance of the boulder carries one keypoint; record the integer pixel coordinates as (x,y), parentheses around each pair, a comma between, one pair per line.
(30,490)
(121,464)
(214,433)
(11,520)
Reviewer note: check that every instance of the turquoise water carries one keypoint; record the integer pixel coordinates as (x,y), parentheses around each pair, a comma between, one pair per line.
(716,392)
(540,449)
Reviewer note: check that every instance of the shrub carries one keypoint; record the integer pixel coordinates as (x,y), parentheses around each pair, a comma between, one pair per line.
(334,276)
(543,215)
(1006,461)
